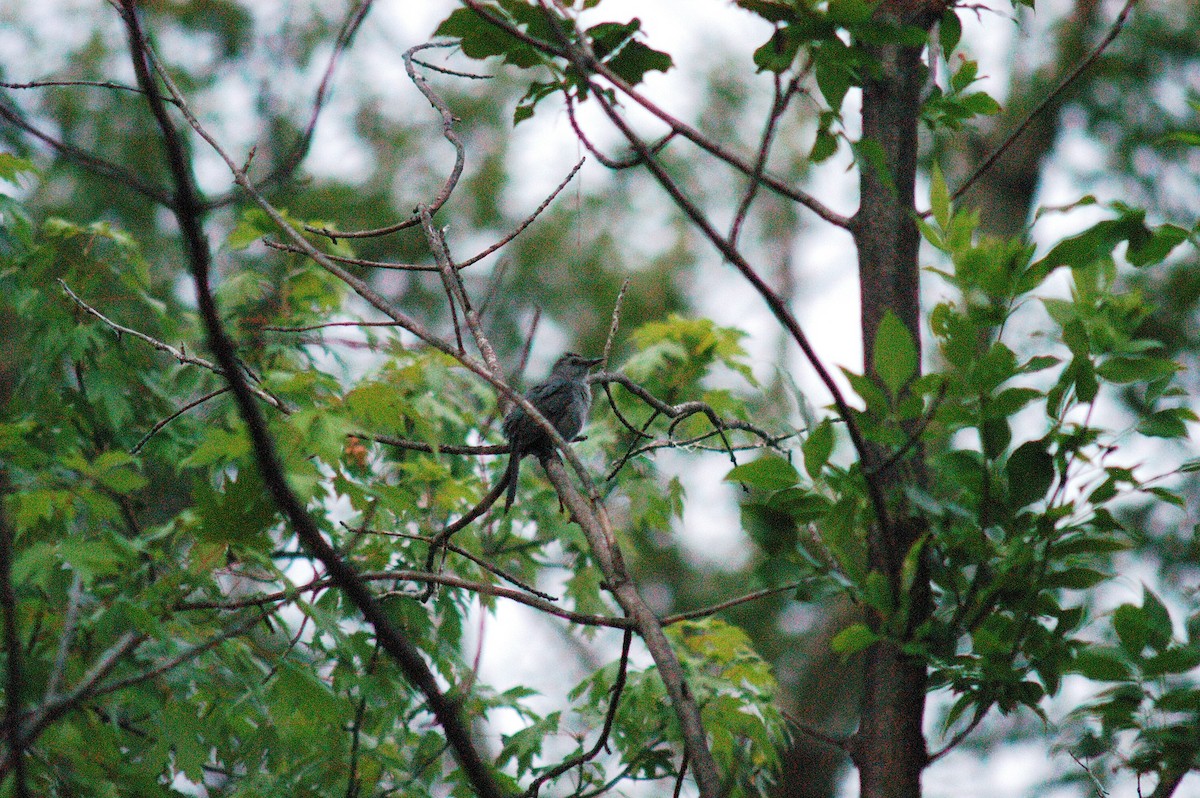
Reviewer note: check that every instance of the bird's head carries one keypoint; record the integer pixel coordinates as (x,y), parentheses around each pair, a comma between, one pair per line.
(573,366)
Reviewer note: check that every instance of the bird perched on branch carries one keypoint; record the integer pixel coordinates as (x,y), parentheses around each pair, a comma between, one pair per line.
(564,399)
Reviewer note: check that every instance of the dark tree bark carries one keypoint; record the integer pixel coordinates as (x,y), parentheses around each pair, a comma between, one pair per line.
(889,746)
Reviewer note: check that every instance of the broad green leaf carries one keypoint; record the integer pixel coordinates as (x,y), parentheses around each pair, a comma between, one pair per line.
(894,355)
(817,448)
(766,473)
(1102,664)
(1030,472)
(853,638)
(949,32)
(1074,578)
(1168,423)
(1131,626)
(1177,660)
(939,197)
(1122,369)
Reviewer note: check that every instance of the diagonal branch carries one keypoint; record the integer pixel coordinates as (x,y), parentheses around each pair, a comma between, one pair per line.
(189,213)
(588,63)
(1049,99)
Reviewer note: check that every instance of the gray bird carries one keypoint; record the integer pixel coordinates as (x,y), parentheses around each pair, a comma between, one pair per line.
(564,399)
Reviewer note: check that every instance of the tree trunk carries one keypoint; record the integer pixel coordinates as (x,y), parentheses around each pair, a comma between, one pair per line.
(889,746)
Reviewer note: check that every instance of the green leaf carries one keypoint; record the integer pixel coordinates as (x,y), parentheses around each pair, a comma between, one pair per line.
(629,58)
(778,52)
(12,167)
(964,76)
(480,39)
(766,473)
(852,639)
(817,448)
(773,530)
(949,32)
(1102,664)
(1168,423)
(939,197)
(1075,578)
(894,355)
(1177,660)
(833,79)
(995,434)
(1132,628)
(1076,338)
(804,506)
(1158,620)
(1121,369)
(770,10)
(1146,251)
(981,103)
(825,146)
(1030,472)
(1010,401)
(1039,363)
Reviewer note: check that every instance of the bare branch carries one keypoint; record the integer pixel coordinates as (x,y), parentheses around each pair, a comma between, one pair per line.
(159,425)
(178,354)
(588,63)
(448,133)
(87,160)
(100,84)
(776,303)
(528,220)
(371,264)
(1049,99)
(602,741)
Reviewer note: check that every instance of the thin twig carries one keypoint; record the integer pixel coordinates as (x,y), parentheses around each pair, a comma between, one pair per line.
(451,180)
(370,264)
(164,422)
(178,354)
(609,162)
(782,97)
(482,563)
(704,612)
(816,734)
(528,220)
(602,741)
(100,84)
(1049,99)
(615,324)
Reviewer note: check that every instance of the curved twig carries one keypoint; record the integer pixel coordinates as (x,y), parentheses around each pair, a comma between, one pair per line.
(178,354)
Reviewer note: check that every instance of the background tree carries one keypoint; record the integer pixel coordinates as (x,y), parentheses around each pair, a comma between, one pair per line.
(945,523)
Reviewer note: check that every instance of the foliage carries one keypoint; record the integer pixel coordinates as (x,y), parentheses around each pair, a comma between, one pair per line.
(173,632)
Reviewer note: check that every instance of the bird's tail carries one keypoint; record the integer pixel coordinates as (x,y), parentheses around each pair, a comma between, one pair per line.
(510,475)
